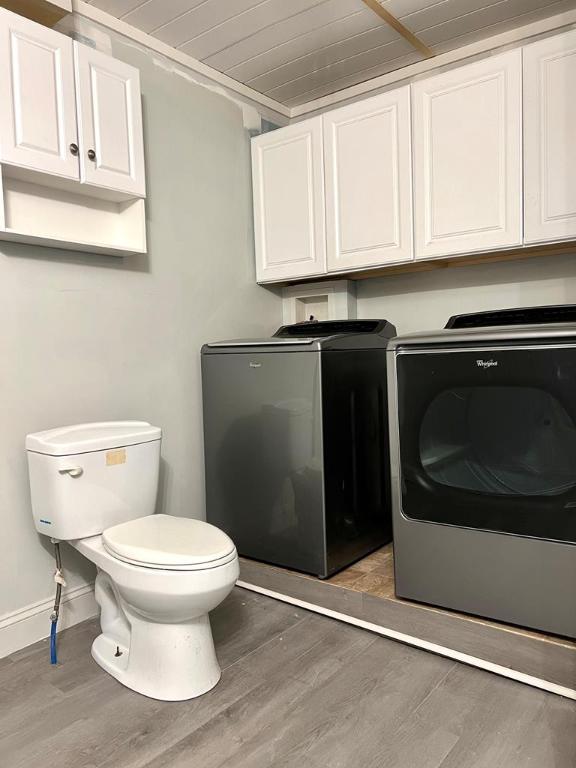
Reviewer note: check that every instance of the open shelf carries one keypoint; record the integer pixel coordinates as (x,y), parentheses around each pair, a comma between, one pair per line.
(62,217)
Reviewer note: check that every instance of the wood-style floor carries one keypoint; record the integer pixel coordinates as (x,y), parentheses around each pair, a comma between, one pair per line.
(298,689)
(365,592)
(373,574)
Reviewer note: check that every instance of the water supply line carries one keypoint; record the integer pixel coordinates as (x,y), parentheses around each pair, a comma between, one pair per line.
(59,579)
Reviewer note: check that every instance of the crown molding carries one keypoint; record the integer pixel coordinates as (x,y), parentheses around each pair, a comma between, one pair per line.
(352,93)
(411,72)
(127,30)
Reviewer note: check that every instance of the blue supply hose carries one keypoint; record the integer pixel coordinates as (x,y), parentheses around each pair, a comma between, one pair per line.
(53,655)
(54,616)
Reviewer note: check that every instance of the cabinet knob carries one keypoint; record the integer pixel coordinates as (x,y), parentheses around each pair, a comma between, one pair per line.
(74,149)
(91,154)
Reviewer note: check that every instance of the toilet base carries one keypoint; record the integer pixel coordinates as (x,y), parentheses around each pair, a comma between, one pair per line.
(170,662)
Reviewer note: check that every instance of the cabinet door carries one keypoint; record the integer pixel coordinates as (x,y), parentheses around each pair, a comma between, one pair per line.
(37,113)
(110,122)
(288,183)
(468,158)
(369,182)
(549,139)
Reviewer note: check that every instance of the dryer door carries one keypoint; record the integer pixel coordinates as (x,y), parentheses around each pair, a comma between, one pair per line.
(488,438)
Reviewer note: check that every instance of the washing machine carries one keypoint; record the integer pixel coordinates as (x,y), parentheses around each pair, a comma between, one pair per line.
(296,443)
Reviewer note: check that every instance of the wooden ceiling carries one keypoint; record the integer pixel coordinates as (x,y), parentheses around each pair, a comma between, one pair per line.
(298,50)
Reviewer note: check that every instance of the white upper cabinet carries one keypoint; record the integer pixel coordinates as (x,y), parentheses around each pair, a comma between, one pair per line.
(68,110)
(468,158)
(367,157)
(110,122)
(550,139)
(37,102)
(71,145)
(288,186)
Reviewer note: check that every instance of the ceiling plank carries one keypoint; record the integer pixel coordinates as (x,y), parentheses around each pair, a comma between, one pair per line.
(332,87)
(518,35)
(481,20)
(240,59)
(443,38)
(381,57)
(270,19)
(327,55)
(375,6)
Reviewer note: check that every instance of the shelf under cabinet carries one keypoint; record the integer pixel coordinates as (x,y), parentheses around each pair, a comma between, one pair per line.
(13,236)
(60,216)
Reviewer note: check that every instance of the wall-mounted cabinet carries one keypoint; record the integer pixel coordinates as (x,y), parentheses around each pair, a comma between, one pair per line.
(71,144)
(435,170)
(288,184)
(37,98)
(338,184)
(468,158)
(549,139)
(368,182)
(109,122)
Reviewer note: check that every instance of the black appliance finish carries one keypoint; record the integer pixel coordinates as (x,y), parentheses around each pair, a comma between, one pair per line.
(556,313)
(483,450)
(296,443)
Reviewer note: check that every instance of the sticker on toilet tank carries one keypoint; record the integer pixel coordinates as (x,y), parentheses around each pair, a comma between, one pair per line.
(116,457)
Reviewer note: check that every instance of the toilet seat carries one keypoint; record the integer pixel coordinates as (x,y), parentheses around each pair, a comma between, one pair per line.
(169,543)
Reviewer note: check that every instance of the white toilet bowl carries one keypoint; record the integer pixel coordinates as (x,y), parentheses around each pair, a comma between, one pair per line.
(156,637)
(95,486)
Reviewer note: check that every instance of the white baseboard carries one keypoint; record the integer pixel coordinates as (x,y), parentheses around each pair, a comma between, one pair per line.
(32,623)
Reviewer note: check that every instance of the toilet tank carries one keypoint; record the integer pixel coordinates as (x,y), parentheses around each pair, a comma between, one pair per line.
(88,477)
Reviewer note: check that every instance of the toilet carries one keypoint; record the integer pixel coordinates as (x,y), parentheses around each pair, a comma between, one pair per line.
(158,576)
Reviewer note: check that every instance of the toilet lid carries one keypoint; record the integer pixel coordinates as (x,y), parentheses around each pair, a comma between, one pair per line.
(165,541)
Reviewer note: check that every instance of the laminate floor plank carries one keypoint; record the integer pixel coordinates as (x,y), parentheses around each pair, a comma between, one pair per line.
(443,723)
(347,720)
(543,657)
(114,713)
(499,731)
(245,621)
(266,709)
(298,690)
(161,741)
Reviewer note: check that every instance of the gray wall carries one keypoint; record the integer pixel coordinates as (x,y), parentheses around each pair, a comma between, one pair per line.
(424,301)
(91,338)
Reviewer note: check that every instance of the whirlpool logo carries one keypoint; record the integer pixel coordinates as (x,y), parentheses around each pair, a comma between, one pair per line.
(486,363)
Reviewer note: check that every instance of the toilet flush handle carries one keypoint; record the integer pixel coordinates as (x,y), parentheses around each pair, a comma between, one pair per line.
(72,471)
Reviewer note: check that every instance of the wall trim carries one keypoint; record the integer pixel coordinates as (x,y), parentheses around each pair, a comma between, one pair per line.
(416,642)
(123,28)
(354,92)
(27,625)
(517,36)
